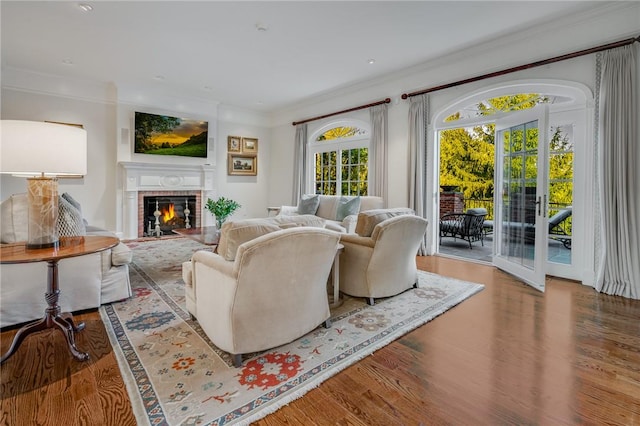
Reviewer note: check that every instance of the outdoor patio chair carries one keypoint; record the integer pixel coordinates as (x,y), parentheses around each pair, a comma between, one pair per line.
(467,226)
(557,229)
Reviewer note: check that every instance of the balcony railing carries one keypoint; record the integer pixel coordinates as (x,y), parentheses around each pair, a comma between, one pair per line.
(487,203)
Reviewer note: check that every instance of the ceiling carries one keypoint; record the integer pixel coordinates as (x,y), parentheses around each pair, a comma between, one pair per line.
(257,55)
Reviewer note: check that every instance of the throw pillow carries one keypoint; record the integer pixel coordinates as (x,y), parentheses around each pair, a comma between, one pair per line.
(72,200)
(346,207)
(70,223)
(308,204)
(75,204)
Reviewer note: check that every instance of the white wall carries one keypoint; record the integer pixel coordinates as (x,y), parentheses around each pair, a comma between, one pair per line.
(250,191)
(96,191)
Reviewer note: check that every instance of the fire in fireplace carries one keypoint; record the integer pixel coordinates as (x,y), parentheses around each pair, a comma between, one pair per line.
(164,213)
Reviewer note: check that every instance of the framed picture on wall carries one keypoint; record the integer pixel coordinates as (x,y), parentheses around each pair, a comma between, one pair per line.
(234,143)
(242,165)
(249,145)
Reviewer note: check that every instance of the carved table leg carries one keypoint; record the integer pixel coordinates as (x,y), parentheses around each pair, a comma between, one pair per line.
(52,318)
(69,333)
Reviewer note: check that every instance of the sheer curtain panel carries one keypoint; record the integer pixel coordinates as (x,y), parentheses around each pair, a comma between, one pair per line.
(618,141)
(379,152)
(299,163)
(418,113)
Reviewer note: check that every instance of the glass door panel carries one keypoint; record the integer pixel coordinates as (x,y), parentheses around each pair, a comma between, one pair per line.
(520,214)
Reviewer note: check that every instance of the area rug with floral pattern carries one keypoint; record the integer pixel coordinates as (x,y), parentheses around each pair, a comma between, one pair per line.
(176,376)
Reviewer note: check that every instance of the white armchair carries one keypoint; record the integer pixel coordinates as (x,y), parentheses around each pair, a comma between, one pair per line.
(383,264)
(274,292)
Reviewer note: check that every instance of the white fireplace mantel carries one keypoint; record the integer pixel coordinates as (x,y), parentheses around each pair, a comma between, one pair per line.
(138,177)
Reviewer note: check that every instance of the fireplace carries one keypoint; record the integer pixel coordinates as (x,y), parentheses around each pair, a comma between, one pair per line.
(162,214)
(184,186)
(171,207)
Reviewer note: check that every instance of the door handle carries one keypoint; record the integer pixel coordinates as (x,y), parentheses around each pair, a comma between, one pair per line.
(539,203)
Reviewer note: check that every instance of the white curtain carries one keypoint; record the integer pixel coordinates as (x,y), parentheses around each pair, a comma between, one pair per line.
(379,152)
(418,118)
(618,270)
(299,163)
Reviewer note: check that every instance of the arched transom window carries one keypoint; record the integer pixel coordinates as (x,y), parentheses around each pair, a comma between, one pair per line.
(339,159)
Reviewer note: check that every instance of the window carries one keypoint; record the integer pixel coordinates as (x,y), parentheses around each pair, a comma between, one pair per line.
(340,159)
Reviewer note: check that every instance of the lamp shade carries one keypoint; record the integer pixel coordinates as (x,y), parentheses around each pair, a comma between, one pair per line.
(32,148)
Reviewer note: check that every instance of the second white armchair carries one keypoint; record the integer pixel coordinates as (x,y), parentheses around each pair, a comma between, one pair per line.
(383,264)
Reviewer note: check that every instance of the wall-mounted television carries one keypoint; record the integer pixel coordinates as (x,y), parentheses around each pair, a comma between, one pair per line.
(164,135)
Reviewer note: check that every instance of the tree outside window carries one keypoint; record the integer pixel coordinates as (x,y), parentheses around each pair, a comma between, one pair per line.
(341,161)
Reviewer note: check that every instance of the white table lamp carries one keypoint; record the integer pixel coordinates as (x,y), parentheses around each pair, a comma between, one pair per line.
(41,152)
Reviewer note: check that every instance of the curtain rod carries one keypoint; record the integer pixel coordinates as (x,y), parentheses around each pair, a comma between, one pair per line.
(527,66)
(386,101)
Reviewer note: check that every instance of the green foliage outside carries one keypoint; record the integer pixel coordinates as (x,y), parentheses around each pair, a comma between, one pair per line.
(354,172)
(353,167)
(467,155)
(339,132)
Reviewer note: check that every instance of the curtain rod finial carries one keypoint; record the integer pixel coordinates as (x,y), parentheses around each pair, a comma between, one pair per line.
(404,96)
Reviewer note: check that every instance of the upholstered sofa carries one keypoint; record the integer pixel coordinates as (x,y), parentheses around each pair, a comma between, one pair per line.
(341,213)
(85,281)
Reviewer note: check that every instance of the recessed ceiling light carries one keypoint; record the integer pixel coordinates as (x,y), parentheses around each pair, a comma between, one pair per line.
(159,77)
(67,61)
(261,27)
(208,88)
(85,7)
(371,61)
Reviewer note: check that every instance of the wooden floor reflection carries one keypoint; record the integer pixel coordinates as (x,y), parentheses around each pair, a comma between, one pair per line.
(508,355)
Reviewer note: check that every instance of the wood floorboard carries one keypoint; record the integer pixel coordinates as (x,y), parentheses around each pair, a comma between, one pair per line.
(507,355)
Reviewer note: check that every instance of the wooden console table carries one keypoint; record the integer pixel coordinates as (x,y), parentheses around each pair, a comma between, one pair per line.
(53,317)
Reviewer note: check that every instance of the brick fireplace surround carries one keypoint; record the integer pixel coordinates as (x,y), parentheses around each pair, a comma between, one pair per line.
(151,179)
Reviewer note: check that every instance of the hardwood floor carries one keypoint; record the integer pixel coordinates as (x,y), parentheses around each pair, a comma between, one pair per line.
(508,355)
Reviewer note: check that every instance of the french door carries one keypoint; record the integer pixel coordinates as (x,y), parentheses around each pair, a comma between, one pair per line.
(520,195)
